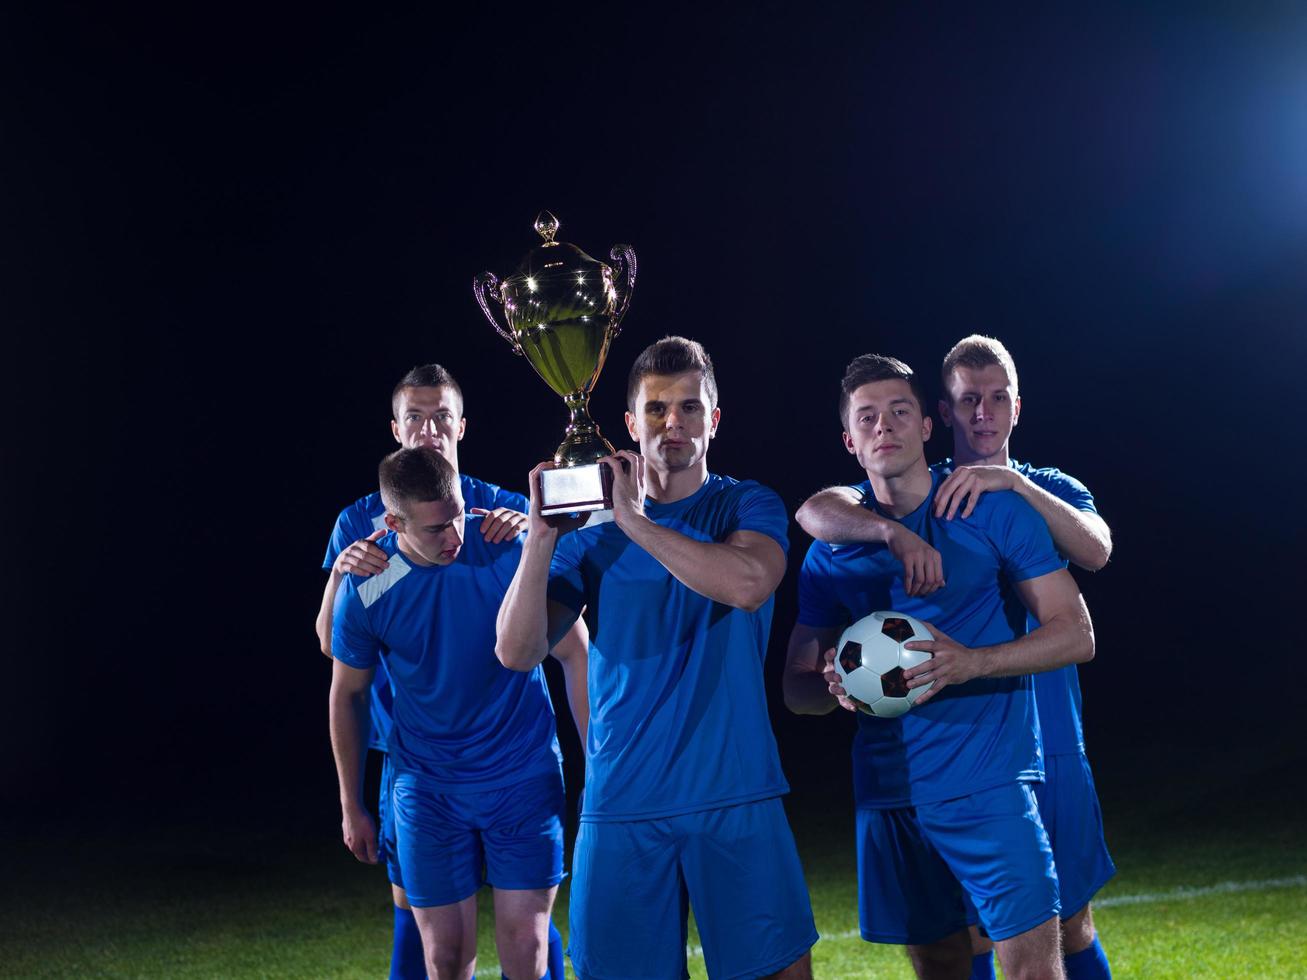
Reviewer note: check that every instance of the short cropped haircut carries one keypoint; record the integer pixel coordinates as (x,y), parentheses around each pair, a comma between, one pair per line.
(425,376)
(415,476)
(671,355)
(976,352)
(867,368)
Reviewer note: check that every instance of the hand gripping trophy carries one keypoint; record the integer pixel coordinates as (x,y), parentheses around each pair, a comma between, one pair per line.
(562,309)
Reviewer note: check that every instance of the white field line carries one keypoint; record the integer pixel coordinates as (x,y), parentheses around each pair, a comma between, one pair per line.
(1111,901)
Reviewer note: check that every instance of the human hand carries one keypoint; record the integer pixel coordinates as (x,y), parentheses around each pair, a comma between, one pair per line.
(363,557)
(628,486)
(833,684)
(970,483)
(950,663)
(501,524)
(359,831)
(923,568)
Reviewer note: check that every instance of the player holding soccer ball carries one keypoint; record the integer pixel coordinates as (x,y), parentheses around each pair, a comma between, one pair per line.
(944,793)
(683,786)
(982,406)
(427,410)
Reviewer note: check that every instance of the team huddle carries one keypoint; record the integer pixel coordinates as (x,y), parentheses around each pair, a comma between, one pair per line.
(977,821)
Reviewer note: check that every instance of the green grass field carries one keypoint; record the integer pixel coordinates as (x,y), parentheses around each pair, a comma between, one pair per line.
(1211,884)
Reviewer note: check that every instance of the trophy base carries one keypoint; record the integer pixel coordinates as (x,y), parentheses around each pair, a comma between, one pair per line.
(576,489)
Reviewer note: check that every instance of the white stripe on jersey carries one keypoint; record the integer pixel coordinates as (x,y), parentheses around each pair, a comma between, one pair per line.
(379,522)
(375,587)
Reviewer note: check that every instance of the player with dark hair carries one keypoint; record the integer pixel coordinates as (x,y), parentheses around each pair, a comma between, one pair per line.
(427,410)
(944,797)
(682,802)
(477,771)
(982,405)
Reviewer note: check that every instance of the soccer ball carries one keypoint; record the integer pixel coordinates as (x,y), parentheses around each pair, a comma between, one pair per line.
(870,660)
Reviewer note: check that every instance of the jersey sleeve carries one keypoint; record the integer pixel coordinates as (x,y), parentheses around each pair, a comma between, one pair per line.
(350,527)
(761,509)
(1024,543)
(352,640)
(1064,487)
(566,578)
(818,604)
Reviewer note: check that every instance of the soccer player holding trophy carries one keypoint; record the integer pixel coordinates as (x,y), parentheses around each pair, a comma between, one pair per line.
(477,789)
(944,794)
(426,410)
(682,803)
(982,406)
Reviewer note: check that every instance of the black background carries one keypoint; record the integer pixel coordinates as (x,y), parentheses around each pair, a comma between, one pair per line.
(227,232)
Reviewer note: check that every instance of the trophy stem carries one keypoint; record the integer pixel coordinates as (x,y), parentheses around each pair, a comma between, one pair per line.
(583,442)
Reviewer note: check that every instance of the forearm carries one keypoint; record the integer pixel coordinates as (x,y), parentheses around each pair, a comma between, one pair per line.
(722,572)
(806,690)
(522,626)
(323,624)
(350,720)
(807,693)
(1082,536)
(1067,638)
(835,516)
(578,693)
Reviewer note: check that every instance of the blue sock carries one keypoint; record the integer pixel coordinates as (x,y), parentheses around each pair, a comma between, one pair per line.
(555,952)
(1088,964)
(406,959)
(982,966)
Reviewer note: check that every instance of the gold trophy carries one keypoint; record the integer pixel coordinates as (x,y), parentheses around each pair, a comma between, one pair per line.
(562,310)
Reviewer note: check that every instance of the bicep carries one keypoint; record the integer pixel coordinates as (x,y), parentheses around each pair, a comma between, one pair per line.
(763,550)
(349,680)
(1051,595)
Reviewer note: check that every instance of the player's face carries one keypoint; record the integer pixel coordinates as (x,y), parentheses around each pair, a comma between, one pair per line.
(431,530)
(982,409)
(430,417)
(885,428)
(673,420)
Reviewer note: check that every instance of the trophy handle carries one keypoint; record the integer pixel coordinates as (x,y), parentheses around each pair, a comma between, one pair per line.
(485,288)
(623,257)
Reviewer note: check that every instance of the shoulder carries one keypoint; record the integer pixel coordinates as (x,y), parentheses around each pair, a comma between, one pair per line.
(1062,485)
(384,585)
(488,496)
(364,515)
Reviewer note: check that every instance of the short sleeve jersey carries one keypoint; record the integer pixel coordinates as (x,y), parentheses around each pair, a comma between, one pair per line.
(1057,692)
(972,736)
(462,721)
(363,517)
(678,713)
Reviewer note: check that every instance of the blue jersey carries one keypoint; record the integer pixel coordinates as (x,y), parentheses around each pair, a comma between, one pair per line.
(1057,692)
(366,515)
(973,736)
(678,714)
(462,721)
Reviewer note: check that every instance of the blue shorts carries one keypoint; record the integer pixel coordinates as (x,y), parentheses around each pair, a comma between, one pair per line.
(737,866)
(387,849)
(1069,808)
(450,844)
(915,863)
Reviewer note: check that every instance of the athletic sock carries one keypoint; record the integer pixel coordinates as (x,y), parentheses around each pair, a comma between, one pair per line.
(1088,964)
(982,966)
(406,959)
(555,953)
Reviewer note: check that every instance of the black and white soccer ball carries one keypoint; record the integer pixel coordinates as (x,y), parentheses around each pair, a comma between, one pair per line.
(870,659)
